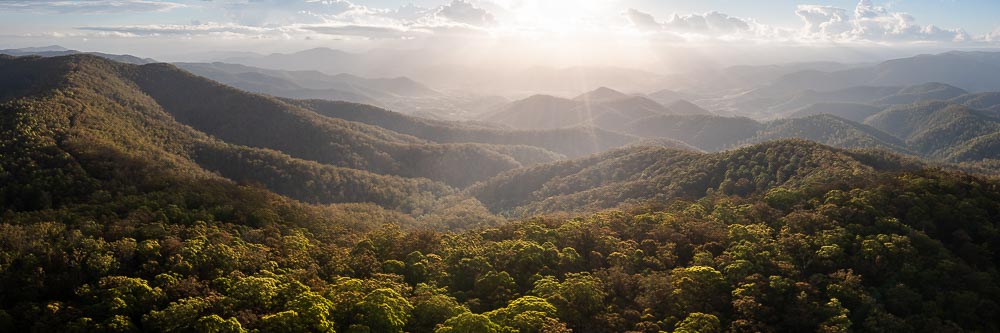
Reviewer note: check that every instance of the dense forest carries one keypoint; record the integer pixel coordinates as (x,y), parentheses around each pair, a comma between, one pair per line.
(143,198)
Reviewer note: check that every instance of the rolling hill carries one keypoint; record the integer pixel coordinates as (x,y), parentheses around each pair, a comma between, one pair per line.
(647,173)
(603,108)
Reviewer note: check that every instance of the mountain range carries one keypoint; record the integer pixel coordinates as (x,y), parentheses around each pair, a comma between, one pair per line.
(144,197)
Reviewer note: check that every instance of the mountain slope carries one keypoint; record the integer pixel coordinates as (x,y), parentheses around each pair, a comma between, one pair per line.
(646,173)
(603,108)
(830,130)
(941,130)
(259,121)
(88,112)
(923,92)
(571,142)
(711,133)
(851,111)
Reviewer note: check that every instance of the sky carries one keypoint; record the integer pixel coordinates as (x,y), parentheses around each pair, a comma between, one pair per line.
(640,32)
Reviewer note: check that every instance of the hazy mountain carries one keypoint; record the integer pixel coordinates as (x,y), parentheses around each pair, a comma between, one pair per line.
(667,97)
(56,51)
(571,142)
(923,92)
(318,59)
(710,133)
(603,108)
(972,71)
(851,111)
(602,94)
(683,107)
(314,80)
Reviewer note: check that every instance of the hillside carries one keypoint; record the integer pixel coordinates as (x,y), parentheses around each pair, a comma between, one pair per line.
(647,173)
(571,142)
(602,108)
(851,111)
(942,130)
(259,121)
(830,130)
(711,133)
(924,92)
(88,111)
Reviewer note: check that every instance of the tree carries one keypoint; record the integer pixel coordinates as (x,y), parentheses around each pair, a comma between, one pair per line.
(384,310)
(698,322)
(469,323)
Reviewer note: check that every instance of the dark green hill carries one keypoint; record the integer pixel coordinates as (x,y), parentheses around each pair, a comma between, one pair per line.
(254,120)
(655,173)
(830,130)
(942,130)
(84,111)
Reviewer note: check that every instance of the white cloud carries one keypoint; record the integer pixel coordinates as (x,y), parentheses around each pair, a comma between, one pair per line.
(871,22)
(462,11)
(642,20)
(86,6)
(824,20)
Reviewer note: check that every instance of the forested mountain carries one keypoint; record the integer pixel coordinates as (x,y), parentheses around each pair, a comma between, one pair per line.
(571,142)
(644,173)
(56,51)
(830,130)
(943,130)
(144,198)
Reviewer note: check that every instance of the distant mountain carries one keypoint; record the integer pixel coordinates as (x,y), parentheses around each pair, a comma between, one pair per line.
(295,82)
(572,142)
(922,92)
(851,111)
(56,51)
(683,107)
(602,94)
(603,108)
(318,59)
(710,133)
(667,97)
(972,71)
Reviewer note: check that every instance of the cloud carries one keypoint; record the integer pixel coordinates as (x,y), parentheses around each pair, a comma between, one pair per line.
(184,29)
(870,22)
(87,6)
(373,32)
(642,20)
(465,12)
(824,20)
(710,23)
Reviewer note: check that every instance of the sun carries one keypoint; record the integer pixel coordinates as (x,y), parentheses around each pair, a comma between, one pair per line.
(558,16)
